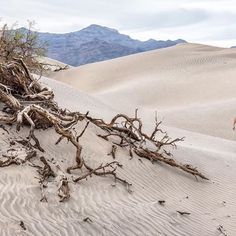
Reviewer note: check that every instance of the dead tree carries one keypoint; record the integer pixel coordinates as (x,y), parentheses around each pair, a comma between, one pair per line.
(29,103)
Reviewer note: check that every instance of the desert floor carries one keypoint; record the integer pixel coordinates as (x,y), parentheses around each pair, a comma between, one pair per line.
(192,88)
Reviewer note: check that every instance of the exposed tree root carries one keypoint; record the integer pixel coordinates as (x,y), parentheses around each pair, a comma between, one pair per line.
(129,132)
(28,103)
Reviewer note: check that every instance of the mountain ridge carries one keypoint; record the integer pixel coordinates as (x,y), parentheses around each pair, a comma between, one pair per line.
(96,43)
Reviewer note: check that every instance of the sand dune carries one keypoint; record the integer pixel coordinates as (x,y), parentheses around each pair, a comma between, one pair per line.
(113,210)
(186,86)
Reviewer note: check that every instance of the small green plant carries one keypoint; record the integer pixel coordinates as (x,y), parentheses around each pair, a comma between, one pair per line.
(21,43)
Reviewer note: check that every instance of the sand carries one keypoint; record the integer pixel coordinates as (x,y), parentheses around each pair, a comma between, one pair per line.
(191,86)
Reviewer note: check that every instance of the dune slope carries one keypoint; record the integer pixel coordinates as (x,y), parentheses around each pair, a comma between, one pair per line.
(113,210)
(170,81)
(191,86)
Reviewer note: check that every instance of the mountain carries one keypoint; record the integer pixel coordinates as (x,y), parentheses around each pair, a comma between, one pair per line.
(96,43)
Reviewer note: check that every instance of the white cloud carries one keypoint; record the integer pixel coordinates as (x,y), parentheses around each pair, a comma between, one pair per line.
(197,21)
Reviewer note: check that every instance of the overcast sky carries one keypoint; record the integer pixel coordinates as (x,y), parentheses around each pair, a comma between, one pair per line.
(204,21)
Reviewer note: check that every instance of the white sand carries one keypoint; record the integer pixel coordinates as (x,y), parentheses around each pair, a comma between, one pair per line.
(192,87)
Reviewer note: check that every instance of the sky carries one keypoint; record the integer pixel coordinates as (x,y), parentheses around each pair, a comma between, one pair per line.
(210,22)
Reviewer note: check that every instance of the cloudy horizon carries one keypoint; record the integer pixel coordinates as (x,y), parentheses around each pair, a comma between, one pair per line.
(210,22)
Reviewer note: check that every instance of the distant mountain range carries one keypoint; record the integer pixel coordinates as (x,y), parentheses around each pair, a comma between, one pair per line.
(96,43)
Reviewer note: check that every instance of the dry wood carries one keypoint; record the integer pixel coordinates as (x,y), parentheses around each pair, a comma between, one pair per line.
(113,151)
(222,230)
(183,213)
(162,202)
(10,160)
(87,219)
(131,135)
(22,225)
(46,172)
(64,189)
(29,103)
(105,170)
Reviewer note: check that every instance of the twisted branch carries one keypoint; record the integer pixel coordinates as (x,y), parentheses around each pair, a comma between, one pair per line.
(29,103)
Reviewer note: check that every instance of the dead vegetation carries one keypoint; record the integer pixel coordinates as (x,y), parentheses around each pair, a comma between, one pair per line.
(182,213)
(222,230)
(29,103)
(26,102)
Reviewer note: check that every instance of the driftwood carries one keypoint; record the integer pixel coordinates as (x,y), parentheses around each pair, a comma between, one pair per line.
(28,103)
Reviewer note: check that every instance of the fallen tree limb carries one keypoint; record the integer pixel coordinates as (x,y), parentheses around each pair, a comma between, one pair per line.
(105,170)
(29,103)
